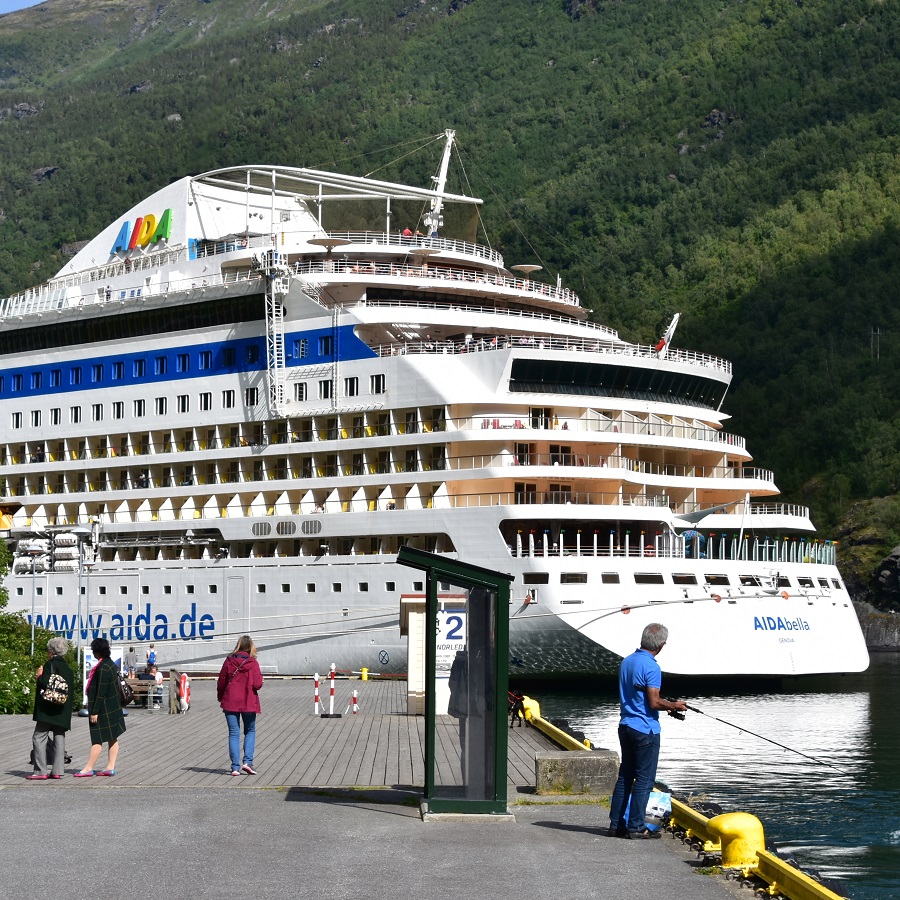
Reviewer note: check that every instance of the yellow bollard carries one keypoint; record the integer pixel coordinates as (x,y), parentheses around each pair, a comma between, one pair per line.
(741,836)
(364,674)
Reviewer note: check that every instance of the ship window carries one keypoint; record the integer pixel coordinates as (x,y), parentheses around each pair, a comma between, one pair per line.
(35,418)
(573,578)
(123,588)
(140,409)
(684,578)
(376,384)
(260,589)
(325,345)
(750,581)
(648,578)
(205,400)
(336,587)
(189,589)
(145,588)
(160,365)
(75,414)
(227,399)
(783,581)
(118,410)
(301,348)
(184,403)
(310,587)
(21,591)
(167,588)
(251,396)
(717,579)
(300,391)
(55,377)
(536,578)
(102,590)
(97,412)
(418,586)
(213,588)
(285,588)
(390,586)
(823,582)
(118,371)
(97,373)
(139,368)
(55,415)
(59,591)
(364,587)
(160,405)
(16,385)
(351,387)
(805,582)
(609,577)
(205,359)
(253,353)
(74,375)
(183,362)
(17,420)
(325,389)
(36,380)
(836,583)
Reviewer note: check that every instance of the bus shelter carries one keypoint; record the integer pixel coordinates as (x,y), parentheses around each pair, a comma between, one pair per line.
(466,645)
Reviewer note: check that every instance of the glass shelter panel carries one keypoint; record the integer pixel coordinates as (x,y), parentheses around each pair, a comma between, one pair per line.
(465,675)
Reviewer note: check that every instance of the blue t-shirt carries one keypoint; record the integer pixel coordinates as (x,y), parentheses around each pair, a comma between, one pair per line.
(636,673)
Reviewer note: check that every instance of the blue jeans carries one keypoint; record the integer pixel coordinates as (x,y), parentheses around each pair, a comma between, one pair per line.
(234,737)
(637,773)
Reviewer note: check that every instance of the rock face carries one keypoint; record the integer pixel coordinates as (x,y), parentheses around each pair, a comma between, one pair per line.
(881,629)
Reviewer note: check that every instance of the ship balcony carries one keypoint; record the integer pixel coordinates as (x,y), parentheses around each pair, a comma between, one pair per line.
(542,343)
(431,274)
(413,245)
(594,543)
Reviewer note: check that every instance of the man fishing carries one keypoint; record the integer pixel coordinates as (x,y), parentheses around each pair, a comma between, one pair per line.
(640,681)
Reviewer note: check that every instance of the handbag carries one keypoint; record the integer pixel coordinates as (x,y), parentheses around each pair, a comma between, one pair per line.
(57,690)
(126,692)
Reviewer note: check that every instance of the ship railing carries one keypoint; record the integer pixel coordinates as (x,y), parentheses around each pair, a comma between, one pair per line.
(535,543)
(456,275)
(544,343)
(608,335)
(411,243)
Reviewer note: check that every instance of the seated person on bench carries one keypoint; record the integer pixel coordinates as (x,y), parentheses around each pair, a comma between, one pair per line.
(151,673)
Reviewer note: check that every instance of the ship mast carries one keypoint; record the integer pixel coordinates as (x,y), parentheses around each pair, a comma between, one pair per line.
(433,219)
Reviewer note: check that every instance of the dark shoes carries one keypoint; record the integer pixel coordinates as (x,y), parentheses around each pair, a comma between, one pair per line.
(645,834)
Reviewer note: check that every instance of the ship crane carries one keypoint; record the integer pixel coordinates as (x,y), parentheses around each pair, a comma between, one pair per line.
(433,219)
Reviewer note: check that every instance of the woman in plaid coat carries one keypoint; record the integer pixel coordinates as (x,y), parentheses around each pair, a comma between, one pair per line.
(106,719)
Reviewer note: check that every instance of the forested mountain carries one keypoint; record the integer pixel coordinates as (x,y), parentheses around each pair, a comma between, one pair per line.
(735,161)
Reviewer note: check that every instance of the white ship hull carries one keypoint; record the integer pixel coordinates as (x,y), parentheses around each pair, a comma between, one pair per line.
(225,418)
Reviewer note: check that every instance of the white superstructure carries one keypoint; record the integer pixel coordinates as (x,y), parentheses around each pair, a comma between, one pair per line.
(233,406)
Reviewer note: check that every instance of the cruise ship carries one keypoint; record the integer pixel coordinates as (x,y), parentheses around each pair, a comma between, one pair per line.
(234,405)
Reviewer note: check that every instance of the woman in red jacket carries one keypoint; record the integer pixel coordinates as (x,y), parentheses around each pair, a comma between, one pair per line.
(238,693)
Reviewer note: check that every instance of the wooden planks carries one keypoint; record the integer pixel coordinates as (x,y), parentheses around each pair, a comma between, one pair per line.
(379,747)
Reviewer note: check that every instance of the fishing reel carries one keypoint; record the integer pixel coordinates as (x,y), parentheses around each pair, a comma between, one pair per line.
(675,713)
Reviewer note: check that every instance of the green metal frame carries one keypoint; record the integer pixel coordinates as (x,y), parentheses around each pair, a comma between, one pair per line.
(439,568)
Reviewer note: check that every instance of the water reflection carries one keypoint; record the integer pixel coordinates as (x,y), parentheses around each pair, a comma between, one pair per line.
(842,821)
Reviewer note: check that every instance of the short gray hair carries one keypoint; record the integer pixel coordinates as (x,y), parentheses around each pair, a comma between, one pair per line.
(58,646)
(654,636)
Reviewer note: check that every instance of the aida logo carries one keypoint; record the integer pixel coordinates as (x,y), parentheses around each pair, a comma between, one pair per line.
(147,230)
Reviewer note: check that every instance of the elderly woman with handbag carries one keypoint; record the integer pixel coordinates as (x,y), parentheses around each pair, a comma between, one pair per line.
(52,710)
(238,692)
(106,719)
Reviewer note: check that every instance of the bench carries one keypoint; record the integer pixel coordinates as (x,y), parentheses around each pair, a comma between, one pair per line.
(144,690)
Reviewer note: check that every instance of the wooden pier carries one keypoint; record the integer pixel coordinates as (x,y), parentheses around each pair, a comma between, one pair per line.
(381,746)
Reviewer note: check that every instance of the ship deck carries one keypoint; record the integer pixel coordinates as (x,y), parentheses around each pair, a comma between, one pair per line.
(381,746)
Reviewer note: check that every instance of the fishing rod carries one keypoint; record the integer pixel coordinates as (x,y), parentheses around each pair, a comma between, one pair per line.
(821,762)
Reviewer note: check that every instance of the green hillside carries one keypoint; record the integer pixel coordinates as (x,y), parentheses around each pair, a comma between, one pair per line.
(735,161)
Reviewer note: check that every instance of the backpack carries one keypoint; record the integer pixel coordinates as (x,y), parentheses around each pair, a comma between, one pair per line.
(57,690)
(151,658)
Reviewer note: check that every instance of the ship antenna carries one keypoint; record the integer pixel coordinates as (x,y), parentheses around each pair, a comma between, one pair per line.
(432,218)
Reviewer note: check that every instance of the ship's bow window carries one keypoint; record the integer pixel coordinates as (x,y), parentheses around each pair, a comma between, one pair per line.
(648,578)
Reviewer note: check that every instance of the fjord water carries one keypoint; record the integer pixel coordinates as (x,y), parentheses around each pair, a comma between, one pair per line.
(842,822)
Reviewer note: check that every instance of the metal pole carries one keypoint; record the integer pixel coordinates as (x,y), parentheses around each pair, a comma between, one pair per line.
(33,559)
